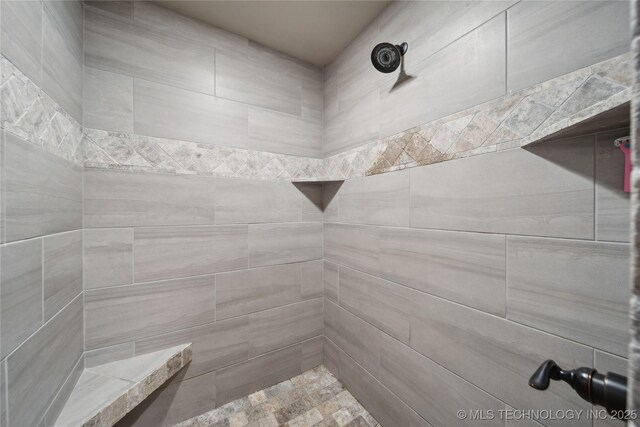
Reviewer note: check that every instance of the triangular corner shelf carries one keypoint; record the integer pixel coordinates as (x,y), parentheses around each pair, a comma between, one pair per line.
(106,393)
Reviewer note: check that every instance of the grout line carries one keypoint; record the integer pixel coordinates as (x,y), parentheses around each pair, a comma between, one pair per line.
(491,233)
(506,52)
(506,276)
(595,184)
(42,278)
(43,325)
(529,327)
(206,274)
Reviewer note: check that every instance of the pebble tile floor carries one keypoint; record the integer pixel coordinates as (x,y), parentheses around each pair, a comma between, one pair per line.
(314,398)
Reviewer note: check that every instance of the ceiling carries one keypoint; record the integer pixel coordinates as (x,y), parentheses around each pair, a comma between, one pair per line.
(313,31)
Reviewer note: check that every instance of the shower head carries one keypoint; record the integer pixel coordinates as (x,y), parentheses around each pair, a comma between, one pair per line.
(386,57)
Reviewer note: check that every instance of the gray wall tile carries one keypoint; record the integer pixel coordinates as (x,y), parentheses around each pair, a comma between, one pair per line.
(468,72)
(278,327)
(312,97)
(381,303)
(4,422)
(168,252)
(125,199)
(178,400)
(353,127)
(468,268)
(42,192)
(246,201)
(353,335)
(21,295)
(169,112)
(378,199)
(67,15)
(354,246)
(108,354)
(330,279)
(124,313)
(303,137)
(578,290)
(214,345)
(259,78)
(54,410)
(331,357)
(612,203)
(605,362)
(385,406)
(431,390)
(541,34)
(547,190)
(62,275)
(141,49)
(244,378)
(122,8)
(62,51)
(108,101)
(108,257)
(184,29)
(21,40)
(312,284)
(39,367)
(247,291)
(421,25)
(271,244)
(495,354)
(312,351)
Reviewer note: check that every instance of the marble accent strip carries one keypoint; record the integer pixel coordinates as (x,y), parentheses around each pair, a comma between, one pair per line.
(106,393)
(29,113)
(514,120)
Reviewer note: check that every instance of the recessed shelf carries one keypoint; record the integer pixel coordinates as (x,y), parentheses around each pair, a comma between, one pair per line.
(615,118)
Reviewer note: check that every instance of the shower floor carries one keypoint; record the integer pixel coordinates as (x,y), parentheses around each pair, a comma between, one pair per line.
(314,398)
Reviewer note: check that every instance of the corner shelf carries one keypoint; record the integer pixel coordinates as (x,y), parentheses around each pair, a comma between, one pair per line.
(106,393)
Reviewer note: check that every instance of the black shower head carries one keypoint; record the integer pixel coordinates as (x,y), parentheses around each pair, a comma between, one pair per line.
(386,57)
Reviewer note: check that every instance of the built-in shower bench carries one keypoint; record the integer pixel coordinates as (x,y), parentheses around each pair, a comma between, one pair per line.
(106,393)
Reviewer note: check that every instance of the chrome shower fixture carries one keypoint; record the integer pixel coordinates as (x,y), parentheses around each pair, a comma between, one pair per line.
(386,57)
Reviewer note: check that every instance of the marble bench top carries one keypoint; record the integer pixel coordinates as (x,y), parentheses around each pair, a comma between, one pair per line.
(106,393)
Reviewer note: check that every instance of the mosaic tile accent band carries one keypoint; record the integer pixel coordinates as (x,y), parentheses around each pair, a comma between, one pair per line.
(28,112)
(314,398)
(143,153)
(514,120)
(511,121)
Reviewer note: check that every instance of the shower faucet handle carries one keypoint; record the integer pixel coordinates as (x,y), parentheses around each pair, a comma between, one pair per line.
(579,379)
(608,390)
(541,378)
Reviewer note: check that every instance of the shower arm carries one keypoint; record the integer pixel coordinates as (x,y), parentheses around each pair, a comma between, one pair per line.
(608,390)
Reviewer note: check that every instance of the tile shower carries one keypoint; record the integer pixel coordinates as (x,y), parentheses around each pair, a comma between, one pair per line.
(421,263)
